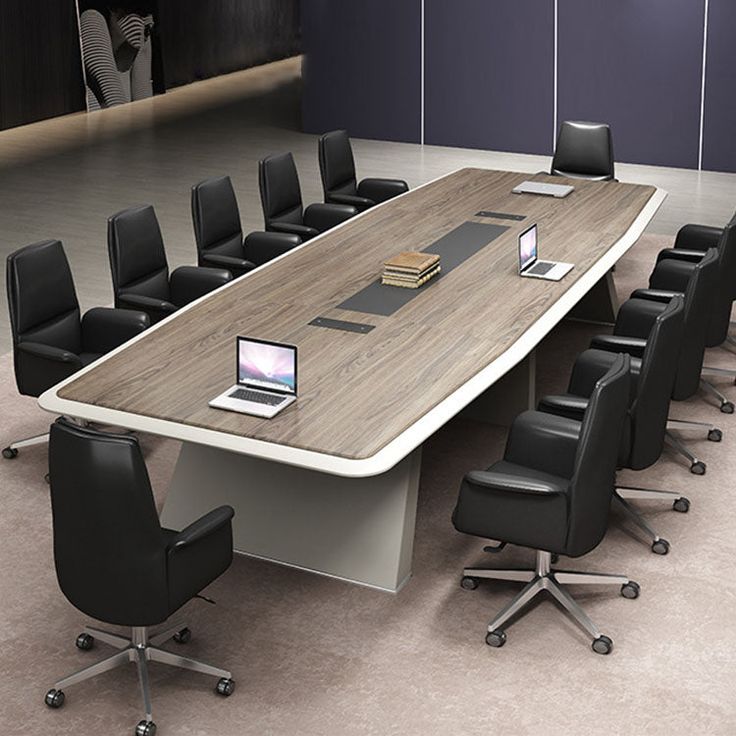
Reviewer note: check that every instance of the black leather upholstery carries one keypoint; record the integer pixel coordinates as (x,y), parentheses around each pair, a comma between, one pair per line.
(50,341)
(140,272)
(553,488)
(584,151)
(281,198)
(654,374)
(339,180)
(674,268)
(114,561)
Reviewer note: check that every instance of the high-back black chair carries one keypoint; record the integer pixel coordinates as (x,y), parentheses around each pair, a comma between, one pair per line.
(281,198)
(551,492)
(115,562)
(584,151)
(219,233)
(633,325)
(140,271)
(642,441)
(340,182)
(51,340)
(672,272)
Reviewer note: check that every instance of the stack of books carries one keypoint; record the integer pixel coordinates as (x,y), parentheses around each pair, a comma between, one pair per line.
(410,270)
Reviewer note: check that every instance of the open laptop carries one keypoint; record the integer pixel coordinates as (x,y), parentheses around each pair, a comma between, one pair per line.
(266,375)
(529,263)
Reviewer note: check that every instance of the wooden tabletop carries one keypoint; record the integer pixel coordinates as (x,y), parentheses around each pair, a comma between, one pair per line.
(359,392)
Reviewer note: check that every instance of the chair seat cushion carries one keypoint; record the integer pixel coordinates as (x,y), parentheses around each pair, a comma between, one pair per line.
(536,520)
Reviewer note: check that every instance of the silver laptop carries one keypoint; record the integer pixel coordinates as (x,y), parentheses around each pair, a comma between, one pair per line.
(266,375)
(529,263)
(540,187)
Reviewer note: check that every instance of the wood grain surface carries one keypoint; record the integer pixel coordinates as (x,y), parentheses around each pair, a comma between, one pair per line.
(357,392)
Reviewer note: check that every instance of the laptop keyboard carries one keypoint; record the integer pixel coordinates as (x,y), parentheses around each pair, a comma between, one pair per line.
(257,397)
(541,268)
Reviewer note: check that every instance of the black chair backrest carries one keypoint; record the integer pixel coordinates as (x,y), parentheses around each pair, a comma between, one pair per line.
(336,164)
(584,150)
(658,367)
(137,255)
(281,194)
(109,548)
(720,321)
(42,300)
(592,483)
(698,309)
(216,218)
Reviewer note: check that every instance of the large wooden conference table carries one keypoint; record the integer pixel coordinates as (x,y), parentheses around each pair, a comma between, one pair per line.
(330,484)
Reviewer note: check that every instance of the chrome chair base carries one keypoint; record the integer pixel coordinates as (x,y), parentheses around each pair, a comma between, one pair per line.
(11,451)
(139,649)
(544,578)
(713,433)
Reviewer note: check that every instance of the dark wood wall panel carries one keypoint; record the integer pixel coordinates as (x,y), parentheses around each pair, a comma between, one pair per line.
(40,63)
(204,39)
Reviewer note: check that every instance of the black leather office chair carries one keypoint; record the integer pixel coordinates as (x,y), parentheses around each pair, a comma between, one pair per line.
(551,492)
(672,273)
(219,233)
(634,323)
(51,340)
(340,182)
(281,197)
(653,371)
(584,151)
(115,562)
(140,272)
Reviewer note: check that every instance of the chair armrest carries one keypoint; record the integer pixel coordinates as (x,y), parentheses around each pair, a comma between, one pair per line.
(564,405)
(236,266)
(680,254)
(38,367)
(503,482)
(208,524)
(380,190)
(302,231)
(360,203)
(105,329)
(264,247)
(191,282)
(322,217)
(698,237)
(663,296)
(543,442)
(156,309)
(614,344)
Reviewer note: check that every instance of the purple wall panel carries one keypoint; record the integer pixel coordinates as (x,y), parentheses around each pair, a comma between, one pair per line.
(636,64)
(719,139)
(489,70)
(362,68)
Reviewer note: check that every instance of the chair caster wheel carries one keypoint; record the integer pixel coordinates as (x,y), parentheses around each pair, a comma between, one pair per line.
(555,558)
(602,645)
(182,637)
(54,698)
(715,435)
(145,728)
(630,590)
(10,453)
(85,642)
(727,407)
(660,547)
(225,686)
(469,583)
(698,468)
(47,479)
(496,638)
(682,505)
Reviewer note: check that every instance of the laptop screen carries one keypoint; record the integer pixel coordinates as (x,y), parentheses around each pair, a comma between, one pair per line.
(527,247)
(267,365)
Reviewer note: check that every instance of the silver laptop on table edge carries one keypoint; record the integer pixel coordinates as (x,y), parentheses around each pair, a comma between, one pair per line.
(547,190)
(266,378)
(529,263)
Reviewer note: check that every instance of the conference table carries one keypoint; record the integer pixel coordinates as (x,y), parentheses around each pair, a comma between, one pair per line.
(331,483)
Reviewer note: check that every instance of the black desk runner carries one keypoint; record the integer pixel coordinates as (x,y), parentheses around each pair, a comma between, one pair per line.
(453,249)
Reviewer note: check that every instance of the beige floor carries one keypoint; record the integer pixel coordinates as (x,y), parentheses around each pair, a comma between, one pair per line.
(62,178)
(317,657)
